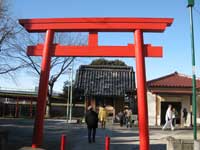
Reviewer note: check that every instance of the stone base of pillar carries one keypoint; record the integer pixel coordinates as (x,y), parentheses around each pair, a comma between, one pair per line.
(180,144)
(3,139)
(196,144)
(30,148)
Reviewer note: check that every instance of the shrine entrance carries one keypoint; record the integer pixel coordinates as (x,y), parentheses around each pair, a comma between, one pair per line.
(94,25)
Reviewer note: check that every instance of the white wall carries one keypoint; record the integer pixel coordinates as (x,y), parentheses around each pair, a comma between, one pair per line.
(151,100)
(198,109)
(185,103)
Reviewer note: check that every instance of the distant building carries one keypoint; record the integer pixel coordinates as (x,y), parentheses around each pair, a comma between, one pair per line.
(174,89)
(113,86)
(17,103)
(22,103)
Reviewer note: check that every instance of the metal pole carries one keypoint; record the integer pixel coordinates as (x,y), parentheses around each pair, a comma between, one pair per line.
(31,108)
(17,108)
(71,97)
(43,88)
(141,91)
(194,109)
(67,117)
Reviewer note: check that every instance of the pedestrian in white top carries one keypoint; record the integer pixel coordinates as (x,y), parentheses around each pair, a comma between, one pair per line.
(168,118)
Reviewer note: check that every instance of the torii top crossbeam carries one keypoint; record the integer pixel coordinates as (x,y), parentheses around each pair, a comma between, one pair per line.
(93,26)
(96,24)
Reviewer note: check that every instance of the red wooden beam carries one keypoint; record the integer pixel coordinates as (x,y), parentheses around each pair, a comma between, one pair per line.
(93,39)
(96,24)
(43,89)
(95,51)
(141,91)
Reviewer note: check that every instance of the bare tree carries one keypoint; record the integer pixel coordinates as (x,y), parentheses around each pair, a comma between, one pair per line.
(6,28)
(8,31)
(3,8)
(13,45)
(59,65)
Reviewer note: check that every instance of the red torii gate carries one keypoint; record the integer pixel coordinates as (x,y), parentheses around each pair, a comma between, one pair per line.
(93,26)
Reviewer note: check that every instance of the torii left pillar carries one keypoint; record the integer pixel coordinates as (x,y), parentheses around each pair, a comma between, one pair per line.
(141,90)
(43,88)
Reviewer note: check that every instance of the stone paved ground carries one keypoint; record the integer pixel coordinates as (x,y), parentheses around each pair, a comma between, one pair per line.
(20,134)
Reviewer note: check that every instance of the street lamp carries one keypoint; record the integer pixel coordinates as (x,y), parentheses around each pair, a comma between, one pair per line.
(68,95)
(194,111)
(70,112)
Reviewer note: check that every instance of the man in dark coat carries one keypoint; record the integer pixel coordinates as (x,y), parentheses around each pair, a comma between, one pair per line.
(91,120)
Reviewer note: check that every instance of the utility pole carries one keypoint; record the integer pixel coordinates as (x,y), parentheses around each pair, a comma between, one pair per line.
(68,95)
(194,109)
(71,95)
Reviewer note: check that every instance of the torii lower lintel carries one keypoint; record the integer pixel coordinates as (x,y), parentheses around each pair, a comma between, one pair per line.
(94,25)
(95,51)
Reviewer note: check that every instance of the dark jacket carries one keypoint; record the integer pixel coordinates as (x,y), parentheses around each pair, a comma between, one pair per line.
(91,119)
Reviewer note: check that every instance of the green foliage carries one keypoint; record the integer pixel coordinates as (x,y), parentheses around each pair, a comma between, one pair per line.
(77,94)
(108,62)
(66,87)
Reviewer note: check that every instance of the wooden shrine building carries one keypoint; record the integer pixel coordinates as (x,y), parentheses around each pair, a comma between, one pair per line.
(112,86)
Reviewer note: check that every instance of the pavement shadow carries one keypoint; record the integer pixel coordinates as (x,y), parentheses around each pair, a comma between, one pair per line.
(121,139)
(20,135)
(136,147)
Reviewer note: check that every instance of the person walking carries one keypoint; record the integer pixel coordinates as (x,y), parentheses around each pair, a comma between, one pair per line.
(102,116)
(128,117)
(174,116)
(168,118)
(91,120)
(121,118)
(185,113)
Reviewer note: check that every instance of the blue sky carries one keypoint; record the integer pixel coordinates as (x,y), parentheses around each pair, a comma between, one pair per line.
(175,40)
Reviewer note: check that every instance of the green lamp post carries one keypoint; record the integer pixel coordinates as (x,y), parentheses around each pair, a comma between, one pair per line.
(194,110)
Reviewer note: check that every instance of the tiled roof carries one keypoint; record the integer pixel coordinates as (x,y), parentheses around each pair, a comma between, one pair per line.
(173,80)
(105,80)
(171,91)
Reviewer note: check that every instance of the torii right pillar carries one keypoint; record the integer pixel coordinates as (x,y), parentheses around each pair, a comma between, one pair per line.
(141,91)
